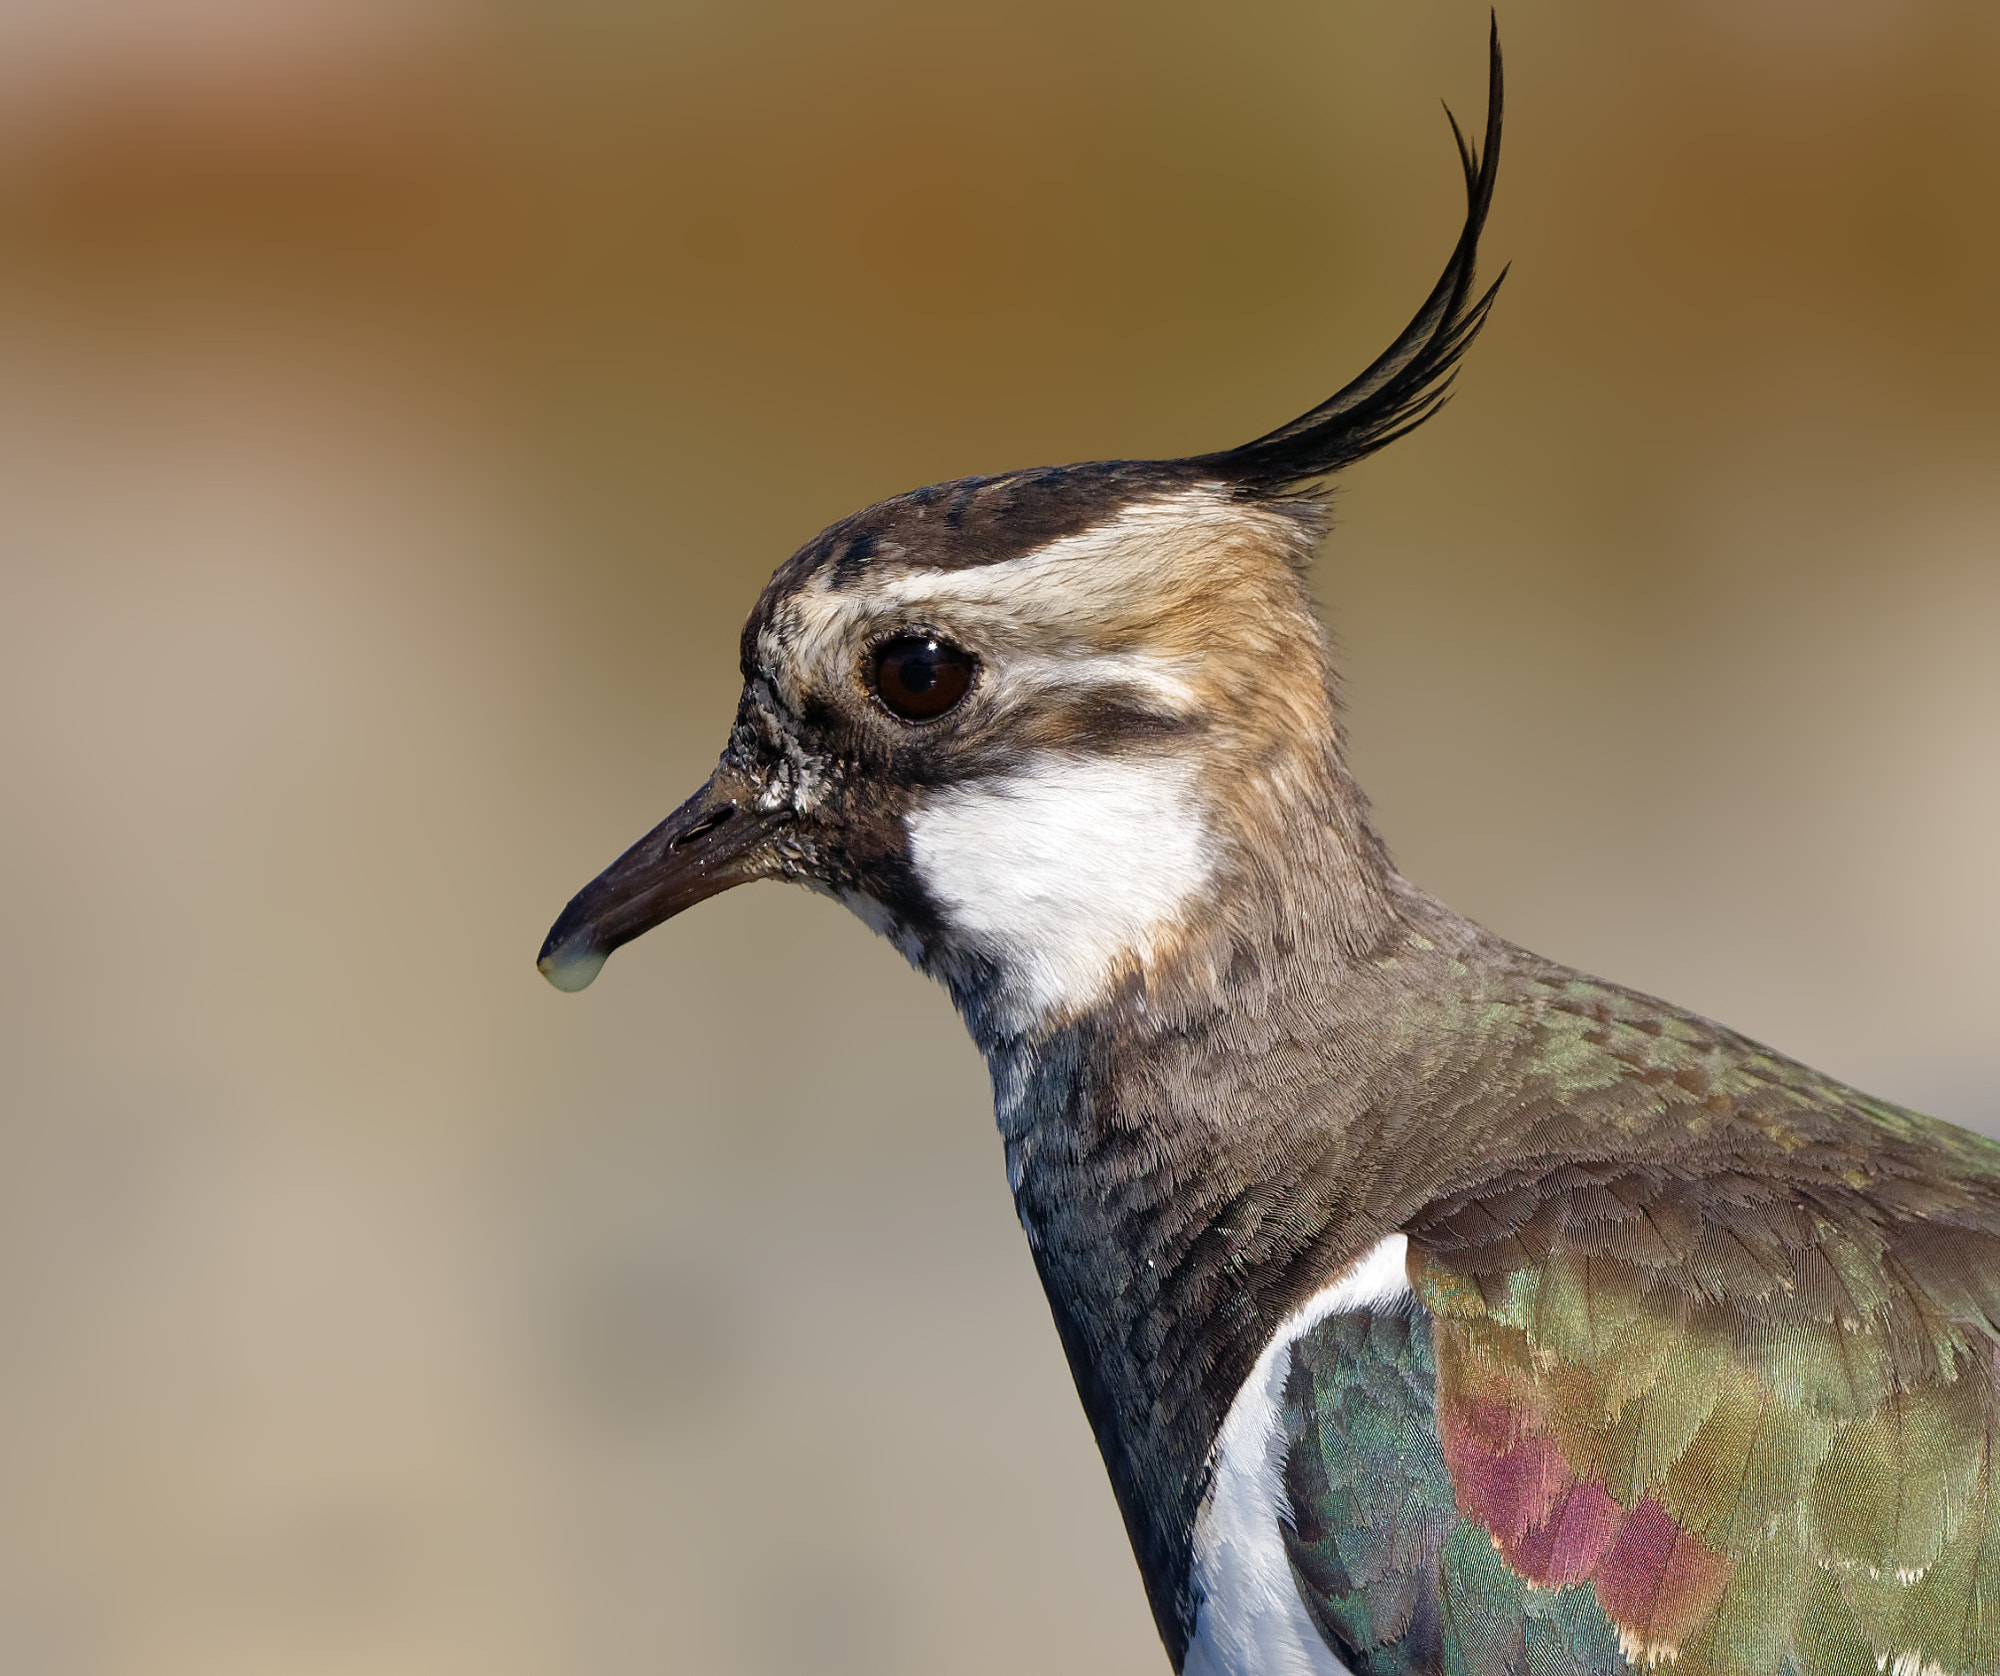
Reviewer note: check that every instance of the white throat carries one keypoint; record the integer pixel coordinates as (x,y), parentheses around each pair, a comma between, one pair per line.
(1067,873)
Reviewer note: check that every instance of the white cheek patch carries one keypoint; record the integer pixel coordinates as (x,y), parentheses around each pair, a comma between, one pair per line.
(1064,872)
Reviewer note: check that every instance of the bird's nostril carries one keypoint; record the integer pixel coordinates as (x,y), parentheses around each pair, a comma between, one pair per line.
(708,823)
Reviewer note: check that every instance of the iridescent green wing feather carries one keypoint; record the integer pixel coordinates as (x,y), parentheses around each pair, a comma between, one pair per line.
(1756,1420)
(1709,1342)
(1397,1579)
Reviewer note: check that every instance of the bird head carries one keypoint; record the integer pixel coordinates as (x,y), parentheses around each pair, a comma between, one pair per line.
(1062,734)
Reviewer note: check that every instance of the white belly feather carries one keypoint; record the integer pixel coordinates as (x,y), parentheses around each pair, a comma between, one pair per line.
(1250,1621)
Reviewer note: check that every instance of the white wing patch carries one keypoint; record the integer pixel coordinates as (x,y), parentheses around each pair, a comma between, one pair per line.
(1065,872)
(1251,1621)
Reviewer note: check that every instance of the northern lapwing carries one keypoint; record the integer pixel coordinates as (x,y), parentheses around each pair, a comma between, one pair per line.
(1436,1308)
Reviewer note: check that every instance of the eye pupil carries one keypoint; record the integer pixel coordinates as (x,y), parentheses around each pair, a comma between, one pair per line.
(918,676)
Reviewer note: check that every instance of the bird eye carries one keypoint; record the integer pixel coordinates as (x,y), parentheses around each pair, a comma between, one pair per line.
(918,676)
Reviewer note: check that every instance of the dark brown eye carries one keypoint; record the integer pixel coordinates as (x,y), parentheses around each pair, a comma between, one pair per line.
(918,676)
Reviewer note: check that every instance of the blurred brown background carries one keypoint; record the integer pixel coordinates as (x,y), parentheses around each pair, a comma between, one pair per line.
(401,402)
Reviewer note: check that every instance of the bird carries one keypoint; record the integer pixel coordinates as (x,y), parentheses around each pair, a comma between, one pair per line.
(1436,1308)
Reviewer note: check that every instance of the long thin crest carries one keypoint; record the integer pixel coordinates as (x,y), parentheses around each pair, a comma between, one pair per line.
(1411,379)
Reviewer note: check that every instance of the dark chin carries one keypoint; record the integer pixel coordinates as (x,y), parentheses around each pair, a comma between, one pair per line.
(881,873)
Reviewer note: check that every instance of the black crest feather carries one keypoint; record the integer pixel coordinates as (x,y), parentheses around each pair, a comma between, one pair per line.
(984,520)
(1408,381)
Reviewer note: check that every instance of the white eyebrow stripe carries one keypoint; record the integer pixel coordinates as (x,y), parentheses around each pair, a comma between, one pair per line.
(1057,602)
(1074,569)
(1165,679)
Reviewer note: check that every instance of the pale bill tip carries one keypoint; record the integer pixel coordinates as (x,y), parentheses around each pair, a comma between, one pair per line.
(571,967)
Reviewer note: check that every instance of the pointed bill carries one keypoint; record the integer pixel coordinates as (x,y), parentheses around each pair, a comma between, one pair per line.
(714,840)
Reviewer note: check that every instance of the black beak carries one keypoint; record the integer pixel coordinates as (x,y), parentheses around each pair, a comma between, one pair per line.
(712,841)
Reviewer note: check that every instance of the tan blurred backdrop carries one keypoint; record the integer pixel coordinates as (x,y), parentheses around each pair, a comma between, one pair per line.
(401,402)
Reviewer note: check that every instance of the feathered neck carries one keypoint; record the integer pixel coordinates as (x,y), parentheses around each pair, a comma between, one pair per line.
(1188,1174)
